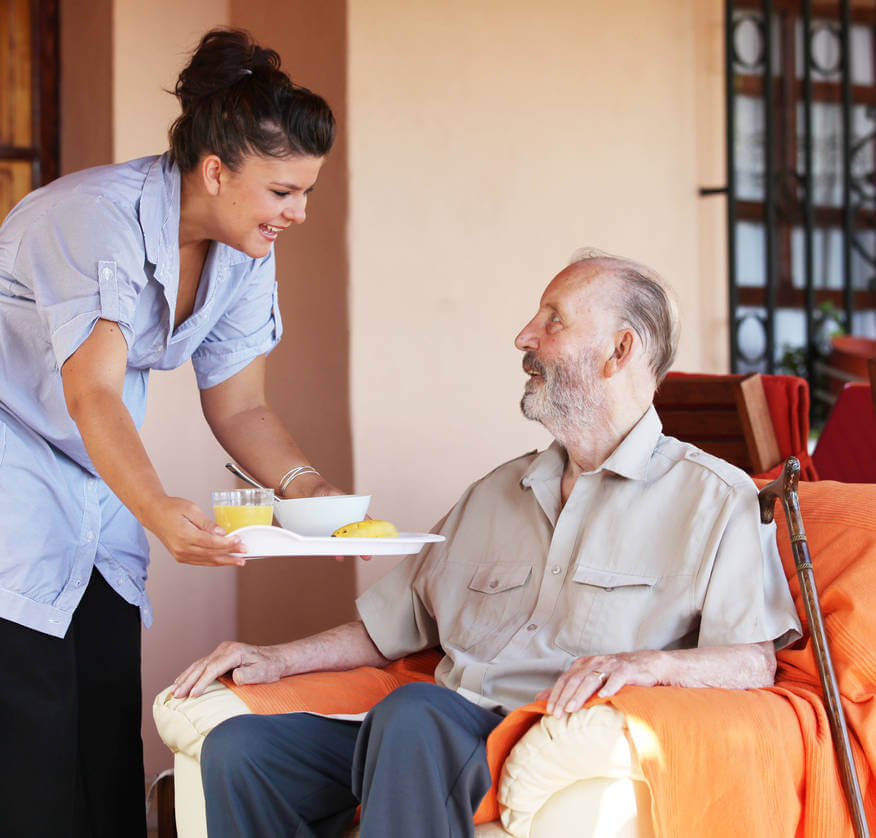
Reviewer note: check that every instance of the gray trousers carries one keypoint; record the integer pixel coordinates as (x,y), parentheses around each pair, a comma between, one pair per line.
(417,764)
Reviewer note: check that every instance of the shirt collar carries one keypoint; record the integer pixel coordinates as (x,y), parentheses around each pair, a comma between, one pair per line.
(159,216)
(630,459)
(159,208)
(159,220)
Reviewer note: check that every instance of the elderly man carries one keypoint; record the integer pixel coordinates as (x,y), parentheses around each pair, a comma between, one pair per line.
(616,556)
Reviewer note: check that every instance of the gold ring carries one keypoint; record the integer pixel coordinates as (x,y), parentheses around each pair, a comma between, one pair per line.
(601,675)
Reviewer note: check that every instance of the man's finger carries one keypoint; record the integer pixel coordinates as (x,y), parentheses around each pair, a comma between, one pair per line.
(182,686)
(557,692)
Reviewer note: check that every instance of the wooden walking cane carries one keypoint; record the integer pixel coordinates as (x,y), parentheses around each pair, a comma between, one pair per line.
(784,487)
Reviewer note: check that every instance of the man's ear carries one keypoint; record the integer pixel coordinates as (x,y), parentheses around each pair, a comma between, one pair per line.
(624,341)
(212,172)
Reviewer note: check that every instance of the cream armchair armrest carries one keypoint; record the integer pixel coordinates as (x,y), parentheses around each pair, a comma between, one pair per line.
(183,723)
(575,776)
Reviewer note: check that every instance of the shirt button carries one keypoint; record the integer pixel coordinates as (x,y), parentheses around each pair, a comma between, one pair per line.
(90,536)
(531,627)
(77,583)
(494,583)
(555,569)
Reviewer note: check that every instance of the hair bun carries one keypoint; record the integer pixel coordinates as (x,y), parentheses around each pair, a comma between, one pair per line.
(263,58)
(236,100)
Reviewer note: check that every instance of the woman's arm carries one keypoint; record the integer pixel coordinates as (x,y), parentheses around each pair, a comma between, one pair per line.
(739,667)
(253,434)
(93,378)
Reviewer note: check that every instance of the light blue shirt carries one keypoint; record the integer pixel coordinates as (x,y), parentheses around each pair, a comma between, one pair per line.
(101,243)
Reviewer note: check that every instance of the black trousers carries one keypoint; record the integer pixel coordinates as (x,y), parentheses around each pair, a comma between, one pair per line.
(71,755)
(417,764)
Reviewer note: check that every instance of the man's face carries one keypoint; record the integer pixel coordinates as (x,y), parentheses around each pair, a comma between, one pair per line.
(565,347)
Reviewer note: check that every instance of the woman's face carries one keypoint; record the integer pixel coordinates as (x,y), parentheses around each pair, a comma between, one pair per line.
(261,199)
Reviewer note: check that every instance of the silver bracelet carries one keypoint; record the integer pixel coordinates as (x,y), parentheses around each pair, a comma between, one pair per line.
(290,475)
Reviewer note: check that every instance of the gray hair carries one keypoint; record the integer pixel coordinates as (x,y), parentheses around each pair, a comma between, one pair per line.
(647,306)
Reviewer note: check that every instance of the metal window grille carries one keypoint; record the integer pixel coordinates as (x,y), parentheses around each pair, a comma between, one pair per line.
(801,154)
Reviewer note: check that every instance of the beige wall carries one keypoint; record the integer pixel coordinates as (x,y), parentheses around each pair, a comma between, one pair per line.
(488,141)
(195,608)
(86,52)
(711,163)
(481,144)
(271,599)
(308,372)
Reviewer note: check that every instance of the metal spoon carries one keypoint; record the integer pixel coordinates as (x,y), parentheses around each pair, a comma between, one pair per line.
(237,471)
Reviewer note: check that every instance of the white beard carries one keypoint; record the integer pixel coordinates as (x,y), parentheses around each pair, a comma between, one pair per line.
(567,397)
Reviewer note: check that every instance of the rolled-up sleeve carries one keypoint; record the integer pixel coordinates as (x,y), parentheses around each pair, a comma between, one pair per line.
(249,327)
(83,261)
(395,616)
(747,599)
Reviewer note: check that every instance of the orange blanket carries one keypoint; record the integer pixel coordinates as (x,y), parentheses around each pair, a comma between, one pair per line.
(718,762)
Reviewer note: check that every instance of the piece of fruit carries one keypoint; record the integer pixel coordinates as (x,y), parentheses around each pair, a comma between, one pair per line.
(367,529)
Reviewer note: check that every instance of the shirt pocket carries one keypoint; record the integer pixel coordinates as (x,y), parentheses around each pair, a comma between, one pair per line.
(604,608)
(491,596)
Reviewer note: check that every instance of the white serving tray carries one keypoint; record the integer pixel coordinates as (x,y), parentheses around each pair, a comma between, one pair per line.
(262,540)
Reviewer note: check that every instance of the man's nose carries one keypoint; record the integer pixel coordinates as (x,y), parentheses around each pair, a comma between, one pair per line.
(526,339)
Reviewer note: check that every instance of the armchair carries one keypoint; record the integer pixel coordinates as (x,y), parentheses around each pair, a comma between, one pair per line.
(754,421)
(660,761)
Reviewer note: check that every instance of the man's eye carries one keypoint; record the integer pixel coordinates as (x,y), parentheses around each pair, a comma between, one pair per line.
(279,194)
(555,318)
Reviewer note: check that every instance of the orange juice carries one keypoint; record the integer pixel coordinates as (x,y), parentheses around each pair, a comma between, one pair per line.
(234,517)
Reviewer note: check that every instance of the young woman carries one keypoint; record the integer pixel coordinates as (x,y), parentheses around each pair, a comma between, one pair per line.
(104,275)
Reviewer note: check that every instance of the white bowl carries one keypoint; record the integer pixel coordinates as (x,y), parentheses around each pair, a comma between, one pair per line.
(322,515)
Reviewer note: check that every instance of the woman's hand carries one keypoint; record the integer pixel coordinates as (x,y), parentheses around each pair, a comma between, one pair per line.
(190,536)
(93,378)
(248,665)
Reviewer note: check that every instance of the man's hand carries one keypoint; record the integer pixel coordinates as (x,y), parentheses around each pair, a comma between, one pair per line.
(605,673)
(342,647)
(741,666)
(248,665)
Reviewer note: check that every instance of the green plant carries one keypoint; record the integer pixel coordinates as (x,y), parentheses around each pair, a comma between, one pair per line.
(827,322)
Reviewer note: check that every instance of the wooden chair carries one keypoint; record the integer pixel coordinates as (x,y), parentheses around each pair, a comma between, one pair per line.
(851,359)
(725,415)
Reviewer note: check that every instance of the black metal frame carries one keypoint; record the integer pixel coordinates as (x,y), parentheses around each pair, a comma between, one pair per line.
(788,199)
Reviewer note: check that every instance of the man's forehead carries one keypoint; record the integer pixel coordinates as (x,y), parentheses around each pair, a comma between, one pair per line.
(579,284)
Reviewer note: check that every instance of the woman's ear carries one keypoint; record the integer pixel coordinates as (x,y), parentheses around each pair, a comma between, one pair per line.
(212,172)
(624,341)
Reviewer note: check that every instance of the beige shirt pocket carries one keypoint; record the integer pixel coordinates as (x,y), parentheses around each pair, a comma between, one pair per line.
(490,603)
(605,610)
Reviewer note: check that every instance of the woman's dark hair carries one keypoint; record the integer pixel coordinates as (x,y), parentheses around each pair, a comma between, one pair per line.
(236,101)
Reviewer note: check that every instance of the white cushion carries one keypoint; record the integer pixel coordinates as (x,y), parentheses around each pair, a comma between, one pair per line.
(581,757)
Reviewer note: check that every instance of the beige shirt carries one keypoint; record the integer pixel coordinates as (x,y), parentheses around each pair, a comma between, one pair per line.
(661,547)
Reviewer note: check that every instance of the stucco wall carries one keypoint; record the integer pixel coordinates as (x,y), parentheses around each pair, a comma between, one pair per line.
(308,384)
(481,144)
(488,141)
(195,608)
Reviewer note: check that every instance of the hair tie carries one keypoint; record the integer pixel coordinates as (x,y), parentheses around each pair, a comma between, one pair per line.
(245,72)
